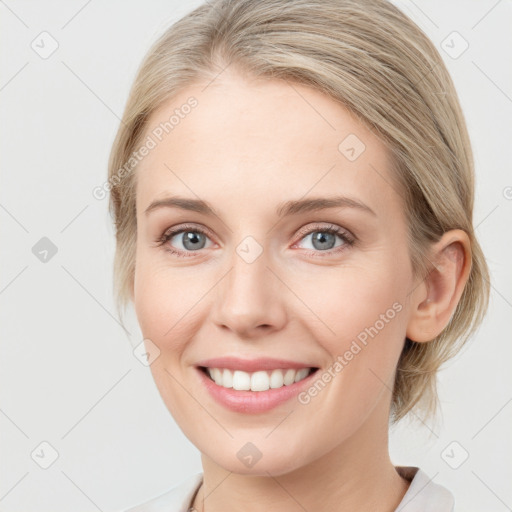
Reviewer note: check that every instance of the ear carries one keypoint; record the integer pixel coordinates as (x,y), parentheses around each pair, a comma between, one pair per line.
(434,300)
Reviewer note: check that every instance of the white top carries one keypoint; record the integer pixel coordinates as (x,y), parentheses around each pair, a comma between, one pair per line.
(423,495)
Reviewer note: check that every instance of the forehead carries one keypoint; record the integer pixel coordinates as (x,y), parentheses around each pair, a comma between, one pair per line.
(260,138)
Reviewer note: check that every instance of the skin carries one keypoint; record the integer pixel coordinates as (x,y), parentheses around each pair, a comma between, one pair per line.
(246,148)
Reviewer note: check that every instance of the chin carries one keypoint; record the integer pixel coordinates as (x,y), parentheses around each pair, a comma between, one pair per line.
(276,465)
(259,458)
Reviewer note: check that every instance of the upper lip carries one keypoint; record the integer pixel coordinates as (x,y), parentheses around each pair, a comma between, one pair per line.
(251,365)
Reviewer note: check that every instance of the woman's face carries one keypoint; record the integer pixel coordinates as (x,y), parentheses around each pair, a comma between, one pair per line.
(302,265)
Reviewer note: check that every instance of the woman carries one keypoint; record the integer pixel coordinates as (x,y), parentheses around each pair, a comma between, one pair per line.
(316,156)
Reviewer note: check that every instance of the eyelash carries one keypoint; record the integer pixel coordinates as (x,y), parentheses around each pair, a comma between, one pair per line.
(348,240)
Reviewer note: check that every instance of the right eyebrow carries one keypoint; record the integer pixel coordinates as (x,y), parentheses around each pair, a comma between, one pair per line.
(194,205)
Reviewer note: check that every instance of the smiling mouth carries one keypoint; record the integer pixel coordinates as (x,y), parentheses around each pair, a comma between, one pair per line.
(262,380)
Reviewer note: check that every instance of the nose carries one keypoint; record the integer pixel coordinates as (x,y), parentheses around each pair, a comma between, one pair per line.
(250,299)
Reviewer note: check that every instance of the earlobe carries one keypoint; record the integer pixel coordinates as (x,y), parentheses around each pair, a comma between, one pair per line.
(434,301)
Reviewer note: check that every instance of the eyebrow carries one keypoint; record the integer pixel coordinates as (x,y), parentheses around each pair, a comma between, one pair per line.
(293,207)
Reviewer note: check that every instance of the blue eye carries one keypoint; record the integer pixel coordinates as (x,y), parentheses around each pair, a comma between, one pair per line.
(324,239)
(193,239)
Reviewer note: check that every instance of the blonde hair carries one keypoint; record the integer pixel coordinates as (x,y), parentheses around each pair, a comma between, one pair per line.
(373,59)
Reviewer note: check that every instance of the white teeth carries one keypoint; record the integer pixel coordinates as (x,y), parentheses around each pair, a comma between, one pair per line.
(256,381)
(241,381)
(289,377)
(260,381)
(301,374)
(276,379)
(227,379)
(216,375)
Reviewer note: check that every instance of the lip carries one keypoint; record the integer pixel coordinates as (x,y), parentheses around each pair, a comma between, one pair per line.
(252,365)
(252,402)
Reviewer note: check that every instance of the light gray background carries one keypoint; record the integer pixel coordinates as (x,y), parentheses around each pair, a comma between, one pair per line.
(68,374)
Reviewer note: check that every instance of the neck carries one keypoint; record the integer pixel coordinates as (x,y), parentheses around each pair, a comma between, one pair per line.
(355,475)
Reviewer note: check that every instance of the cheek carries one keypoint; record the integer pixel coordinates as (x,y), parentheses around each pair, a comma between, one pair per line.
(169,304)
(363,322)
(347,301)
(358,378)
(159,300)
(161,308)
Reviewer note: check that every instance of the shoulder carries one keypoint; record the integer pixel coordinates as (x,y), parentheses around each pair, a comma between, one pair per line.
(423,495)
(177,499)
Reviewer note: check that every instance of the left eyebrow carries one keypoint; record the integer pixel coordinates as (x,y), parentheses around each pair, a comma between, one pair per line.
(288,208)
(320,203)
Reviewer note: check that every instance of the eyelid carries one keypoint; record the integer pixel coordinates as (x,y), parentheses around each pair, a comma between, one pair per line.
(326,226)
(186,227)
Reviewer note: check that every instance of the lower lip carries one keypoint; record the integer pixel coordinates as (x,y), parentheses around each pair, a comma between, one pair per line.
(253,402)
